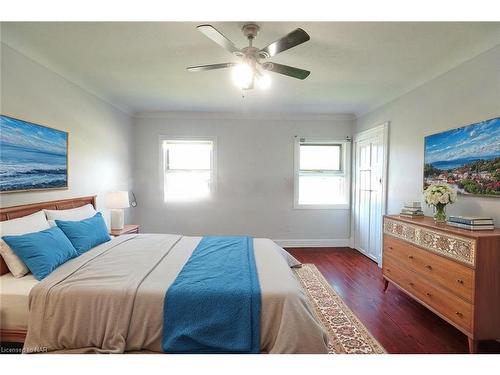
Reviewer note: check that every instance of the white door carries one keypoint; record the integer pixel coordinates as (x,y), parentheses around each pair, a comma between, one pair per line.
(370,150)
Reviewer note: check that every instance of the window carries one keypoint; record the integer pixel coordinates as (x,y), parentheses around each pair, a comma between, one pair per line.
(188,169)
(322,174)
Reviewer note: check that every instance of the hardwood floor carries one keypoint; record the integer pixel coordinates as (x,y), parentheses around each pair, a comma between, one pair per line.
(400,324)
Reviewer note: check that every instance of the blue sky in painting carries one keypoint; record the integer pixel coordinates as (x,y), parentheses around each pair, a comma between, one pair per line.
(30,136)
(480,140)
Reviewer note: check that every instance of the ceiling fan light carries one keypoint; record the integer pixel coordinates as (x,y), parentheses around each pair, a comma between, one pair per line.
(264,81)
(242,75)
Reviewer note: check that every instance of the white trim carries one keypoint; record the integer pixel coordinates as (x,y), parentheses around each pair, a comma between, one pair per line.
(384,129)
(203,115)
(332,242)
(370,132)
(346,161)
(371,257)
(213,182)
(340,206)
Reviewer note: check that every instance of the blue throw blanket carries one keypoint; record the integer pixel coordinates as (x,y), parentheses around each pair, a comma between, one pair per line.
(214,304)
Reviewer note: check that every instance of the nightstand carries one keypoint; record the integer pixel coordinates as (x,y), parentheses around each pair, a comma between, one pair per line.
(127,229)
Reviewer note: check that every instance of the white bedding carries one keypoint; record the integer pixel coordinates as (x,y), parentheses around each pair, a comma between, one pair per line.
(14,293)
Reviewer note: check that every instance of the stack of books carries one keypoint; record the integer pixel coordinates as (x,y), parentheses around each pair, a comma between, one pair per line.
(412,209)
(472,223)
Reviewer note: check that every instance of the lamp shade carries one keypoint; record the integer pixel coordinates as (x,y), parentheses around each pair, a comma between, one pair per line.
(117,199)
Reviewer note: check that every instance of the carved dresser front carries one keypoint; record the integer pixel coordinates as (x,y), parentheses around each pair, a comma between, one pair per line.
(453,272)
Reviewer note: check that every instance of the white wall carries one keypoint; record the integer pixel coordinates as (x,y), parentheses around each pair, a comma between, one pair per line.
(255,177)
(469,93)
(255,155)
(99,134)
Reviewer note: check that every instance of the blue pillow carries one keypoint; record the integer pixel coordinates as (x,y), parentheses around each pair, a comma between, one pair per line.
(42,252)
(85,234)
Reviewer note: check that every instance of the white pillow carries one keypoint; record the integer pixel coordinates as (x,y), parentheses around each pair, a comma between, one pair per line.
(27,224)
(73,214)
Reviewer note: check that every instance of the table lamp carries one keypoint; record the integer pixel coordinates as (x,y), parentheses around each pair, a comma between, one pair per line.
(117,201)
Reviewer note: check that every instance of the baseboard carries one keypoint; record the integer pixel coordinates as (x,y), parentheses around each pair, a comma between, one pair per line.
(351,242)
(342,242)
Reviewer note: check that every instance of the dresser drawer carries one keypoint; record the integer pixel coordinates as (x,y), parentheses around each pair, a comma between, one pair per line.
(453,276)
(455,247)
(447,304)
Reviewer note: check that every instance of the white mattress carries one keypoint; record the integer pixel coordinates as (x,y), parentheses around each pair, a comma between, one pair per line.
(14,295)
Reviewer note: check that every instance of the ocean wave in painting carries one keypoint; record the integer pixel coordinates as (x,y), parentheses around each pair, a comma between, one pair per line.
(33,179)
(26,176)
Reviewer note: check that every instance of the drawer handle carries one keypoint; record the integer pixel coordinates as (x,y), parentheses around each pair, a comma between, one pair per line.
(460,281)
(429,267)
(459,314)
(410,256)
(390,247)
(428,294)
(411,284)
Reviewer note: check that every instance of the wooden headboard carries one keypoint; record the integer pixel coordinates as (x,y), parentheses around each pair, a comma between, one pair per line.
(14,212)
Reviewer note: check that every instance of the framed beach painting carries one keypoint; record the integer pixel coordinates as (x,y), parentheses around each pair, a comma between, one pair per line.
(467,158)
(32,156)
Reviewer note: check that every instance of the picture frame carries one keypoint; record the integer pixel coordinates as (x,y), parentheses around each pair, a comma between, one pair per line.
(467,158)
(33,157)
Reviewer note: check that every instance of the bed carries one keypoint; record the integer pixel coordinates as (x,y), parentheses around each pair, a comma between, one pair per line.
(110,299)
(15,292)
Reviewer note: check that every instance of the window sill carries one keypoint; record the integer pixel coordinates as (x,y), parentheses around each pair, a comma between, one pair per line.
(344,206)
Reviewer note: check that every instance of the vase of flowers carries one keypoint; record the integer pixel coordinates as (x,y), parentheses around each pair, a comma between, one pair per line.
(438,196)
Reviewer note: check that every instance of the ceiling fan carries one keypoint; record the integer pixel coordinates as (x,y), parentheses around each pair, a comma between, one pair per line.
(253,66)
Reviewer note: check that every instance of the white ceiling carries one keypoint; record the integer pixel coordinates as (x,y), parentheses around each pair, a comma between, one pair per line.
(355,66)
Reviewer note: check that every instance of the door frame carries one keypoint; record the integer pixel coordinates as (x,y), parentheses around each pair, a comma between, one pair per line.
(384,130)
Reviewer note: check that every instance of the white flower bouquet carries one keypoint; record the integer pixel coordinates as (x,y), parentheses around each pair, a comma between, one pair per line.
(439,195)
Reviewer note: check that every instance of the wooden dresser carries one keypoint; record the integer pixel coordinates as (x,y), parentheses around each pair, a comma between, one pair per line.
(453,272)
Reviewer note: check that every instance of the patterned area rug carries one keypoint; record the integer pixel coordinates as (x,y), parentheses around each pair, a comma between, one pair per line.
(347,334)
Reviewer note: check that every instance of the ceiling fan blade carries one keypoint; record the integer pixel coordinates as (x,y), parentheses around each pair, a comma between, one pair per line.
(296,37)
(218,38)
(202,68)
(286,70)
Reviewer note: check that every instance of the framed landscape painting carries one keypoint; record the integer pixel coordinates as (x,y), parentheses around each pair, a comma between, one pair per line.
(467,158)
(32,156)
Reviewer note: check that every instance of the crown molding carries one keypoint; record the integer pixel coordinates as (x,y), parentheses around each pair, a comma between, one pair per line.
(288,116)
